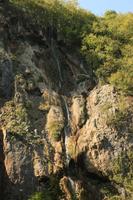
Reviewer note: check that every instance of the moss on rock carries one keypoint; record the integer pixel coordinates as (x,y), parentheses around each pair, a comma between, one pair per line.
(55,122)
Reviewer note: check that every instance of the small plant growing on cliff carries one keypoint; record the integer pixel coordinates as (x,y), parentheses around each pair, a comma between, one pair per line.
(118,116)
(122,169)
(118,119)
(37,196)
(51,190)
(55,130)
(15,118)
(55,122)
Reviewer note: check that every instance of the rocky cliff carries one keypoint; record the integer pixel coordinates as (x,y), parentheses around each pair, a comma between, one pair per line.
(62,136)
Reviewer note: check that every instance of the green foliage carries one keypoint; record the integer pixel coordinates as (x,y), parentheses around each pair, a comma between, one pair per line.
(109,193)
(108,50)
(123,171)
(66,17)
(37,196)
(51,191)
(101,54)
(55,122)
(106,42)
(123,79)
(110,14)
(15,118)
(54,128)
(118,119)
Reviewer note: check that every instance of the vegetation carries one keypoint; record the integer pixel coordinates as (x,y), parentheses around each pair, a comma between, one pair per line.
(51,190)
(37,196)
(15,118)
(55,123)
(64,17)
(123,171)
(108,50)
(118,116)
(55,130)
(106,43)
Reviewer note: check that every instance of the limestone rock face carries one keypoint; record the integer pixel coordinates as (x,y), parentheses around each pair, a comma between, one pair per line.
(97,139)
(104,146)
(78,110)
(54,126)
(19,167)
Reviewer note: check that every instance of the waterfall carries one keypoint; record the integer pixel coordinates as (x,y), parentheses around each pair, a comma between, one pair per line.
(71,183)
(67,112)
(66,143)
(58,63)
(67,134)
(83,68)
(67,131)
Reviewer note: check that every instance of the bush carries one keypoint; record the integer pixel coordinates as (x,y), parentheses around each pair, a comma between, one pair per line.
(55,122)
(15,118)
(51,190)
(55,130)
(108,50)
(37,196)
(119,118)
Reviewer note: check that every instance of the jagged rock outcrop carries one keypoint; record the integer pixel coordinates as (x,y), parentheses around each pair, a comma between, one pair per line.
(106,146)
(102,142)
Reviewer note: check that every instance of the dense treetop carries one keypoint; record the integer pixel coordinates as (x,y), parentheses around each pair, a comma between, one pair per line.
(106,43)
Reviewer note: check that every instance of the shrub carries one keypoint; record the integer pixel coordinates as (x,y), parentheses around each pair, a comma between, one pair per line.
(55,122)
(123,80)
(55,128)
(118,117)
(122,171)
(51,190)
(15,118)
(37,196)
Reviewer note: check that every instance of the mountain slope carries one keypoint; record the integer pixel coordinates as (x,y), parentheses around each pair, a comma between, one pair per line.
(65,131)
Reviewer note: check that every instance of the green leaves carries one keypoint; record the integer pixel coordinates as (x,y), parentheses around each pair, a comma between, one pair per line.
(106,42)
(108,50)
(69,20)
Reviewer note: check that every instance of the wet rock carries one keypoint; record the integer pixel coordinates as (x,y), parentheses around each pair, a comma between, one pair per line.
(66,187)
(6,77)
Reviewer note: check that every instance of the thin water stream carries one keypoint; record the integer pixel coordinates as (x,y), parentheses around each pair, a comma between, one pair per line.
(58,63)
(67,132)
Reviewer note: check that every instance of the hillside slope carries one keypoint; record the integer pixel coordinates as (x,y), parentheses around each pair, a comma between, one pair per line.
(66,110)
